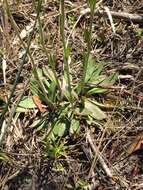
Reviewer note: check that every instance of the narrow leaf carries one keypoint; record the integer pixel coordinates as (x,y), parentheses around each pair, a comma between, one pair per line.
(110,80)
(91,4)
(96,91)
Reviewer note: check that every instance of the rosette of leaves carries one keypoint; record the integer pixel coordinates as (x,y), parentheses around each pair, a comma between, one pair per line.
(66,116)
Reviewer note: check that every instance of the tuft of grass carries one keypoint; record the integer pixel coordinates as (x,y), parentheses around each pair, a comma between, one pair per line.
(54,149)
(67,102)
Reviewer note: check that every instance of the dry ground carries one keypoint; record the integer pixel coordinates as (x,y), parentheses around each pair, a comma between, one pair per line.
(23,164)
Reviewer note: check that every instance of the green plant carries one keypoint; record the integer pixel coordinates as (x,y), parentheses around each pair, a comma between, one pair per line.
(54,149)
(6,158)
(71,101)
(65,118)
(139,32)
(80,185)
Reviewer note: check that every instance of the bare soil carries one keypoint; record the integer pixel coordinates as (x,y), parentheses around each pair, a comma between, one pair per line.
(24,165)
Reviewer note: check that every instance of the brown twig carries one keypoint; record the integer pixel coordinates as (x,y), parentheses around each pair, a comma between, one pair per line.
(100,159)
(135,18)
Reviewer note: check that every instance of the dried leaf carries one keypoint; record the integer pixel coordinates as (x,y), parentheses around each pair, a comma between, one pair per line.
(38,103)
(136,147)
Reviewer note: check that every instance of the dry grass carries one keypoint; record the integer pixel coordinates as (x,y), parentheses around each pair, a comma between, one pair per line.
(93,158)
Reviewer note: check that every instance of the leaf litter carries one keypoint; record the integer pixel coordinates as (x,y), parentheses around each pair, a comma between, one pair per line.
(26,163)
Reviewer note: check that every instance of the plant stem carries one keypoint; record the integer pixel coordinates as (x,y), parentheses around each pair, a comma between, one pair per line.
(65,48)
(88,45)
(42,40)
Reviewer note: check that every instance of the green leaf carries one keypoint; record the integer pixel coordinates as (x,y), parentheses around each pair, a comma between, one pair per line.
(38,72)
(74,127)
(59,129)
(98,104)
(65,90)
(38,124)
(67,52)
(96,76)
(90,120)
(96,91)
(93,110)
(4,157)
(52,137)
(91,4)
(90,66)
(86,35)
(94,70)
(110,80)
(49,73)
(34,87)
(27,102)
(46,83)
(52,92)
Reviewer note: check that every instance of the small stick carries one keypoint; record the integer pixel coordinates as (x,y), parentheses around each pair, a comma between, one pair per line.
(101,160)
(110,19)
(135,18)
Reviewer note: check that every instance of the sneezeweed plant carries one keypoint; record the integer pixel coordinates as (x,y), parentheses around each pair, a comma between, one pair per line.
(69,102)
(66,116)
